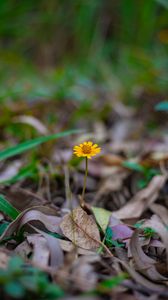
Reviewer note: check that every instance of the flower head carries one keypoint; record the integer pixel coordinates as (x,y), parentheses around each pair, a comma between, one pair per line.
(87,149)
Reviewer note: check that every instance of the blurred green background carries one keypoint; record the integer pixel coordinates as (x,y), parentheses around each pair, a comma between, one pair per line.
(82,50)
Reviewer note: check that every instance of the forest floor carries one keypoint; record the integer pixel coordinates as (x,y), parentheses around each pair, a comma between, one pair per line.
(115,245)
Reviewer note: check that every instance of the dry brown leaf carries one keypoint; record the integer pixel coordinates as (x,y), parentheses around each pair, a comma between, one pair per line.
(110,184)
(37,213)
(78,273)
(56,253)
(83,276)
(144,263)
(140,296)
(10,170)
(112,159)
(143,242)
(46,251)
(155,158)
(142,200)
(23,249)
(41,253)
(141,258)
(21,198)
(50,222)
(123,110)
(34,122)
(149,285)
(68,246)
(81,229)
(158,226)
(161,211)
(4,259)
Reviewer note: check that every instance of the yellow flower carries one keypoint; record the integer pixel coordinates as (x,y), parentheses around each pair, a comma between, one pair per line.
(87,149)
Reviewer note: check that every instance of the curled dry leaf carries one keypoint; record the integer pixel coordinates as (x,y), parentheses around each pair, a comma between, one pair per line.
(144,263)
(149,285)
(142,200)
(81,229)
(55,259)
(158,226)
(50,222)
(34,122)
(56,253)
(161,211)
(38,213)
(47,241)
(23,249)
(41,253)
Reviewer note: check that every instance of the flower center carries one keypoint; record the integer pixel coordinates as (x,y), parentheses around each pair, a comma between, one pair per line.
(86,149)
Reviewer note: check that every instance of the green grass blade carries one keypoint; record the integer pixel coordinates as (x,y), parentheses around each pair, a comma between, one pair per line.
(7,208)
(25,146)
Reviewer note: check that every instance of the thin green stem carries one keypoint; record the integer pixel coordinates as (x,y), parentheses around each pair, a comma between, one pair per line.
(84,183)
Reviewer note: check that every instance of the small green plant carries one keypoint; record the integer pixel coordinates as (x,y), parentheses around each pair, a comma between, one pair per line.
(147,172)
(149,232)
(109,239)
(138,224)
(27,282)
(106,285)
(7,208)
